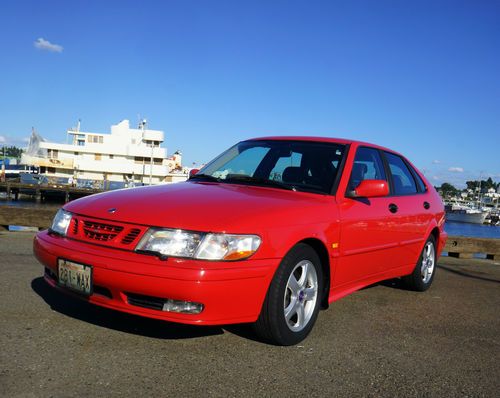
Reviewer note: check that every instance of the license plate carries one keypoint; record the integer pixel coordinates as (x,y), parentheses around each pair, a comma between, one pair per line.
(75,276)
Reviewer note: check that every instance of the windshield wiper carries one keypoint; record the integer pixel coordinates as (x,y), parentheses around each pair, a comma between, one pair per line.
(206,177)
(258,181)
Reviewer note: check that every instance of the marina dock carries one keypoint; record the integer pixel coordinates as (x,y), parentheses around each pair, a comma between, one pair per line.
(68,192)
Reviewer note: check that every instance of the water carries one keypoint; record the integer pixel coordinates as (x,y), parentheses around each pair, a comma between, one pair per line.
(453,228)
(472,230)
(27,201)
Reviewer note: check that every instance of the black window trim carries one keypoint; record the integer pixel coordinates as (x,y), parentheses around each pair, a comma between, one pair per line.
(340,170)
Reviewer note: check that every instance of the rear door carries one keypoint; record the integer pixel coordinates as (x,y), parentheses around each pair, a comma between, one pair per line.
(412,213)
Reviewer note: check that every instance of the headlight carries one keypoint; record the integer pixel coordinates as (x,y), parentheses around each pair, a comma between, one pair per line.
(170,242)
(179,243)
(227,247)
(61,222)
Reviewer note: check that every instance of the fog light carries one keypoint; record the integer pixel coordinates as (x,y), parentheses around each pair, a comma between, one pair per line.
(185,307)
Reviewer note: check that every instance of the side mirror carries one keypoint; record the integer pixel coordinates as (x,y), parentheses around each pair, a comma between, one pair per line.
(370,189)
(192,172)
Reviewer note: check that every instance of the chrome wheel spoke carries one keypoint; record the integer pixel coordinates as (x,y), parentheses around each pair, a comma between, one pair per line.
(428,261)
(291,309)
(301,294)
(293,285)
(300,316)
(303,277)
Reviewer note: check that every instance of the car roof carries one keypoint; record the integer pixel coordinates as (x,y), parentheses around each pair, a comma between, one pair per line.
(321,139)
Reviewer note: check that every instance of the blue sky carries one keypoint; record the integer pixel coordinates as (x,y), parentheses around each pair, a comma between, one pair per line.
(420,77)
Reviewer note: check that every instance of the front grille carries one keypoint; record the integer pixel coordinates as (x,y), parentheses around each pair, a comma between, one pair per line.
(99,231)
(75,226)
(139,300)
(108,233)
(130,237)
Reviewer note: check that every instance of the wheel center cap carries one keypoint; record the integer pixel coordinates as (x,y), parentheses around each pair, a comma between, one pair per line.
(302,295)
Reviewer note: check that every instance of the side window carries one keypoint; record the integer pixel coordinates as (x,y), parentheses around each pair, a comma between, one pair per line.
(367,166)
(402,179)
(420,182)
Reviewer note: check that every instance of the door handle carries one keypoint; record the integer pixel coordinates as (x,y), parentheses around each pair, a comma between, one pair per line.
(427,205)
(393,208)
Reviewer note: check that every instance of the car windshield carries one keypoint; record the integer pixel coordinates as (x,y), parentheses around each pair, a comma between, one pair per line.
(295,165)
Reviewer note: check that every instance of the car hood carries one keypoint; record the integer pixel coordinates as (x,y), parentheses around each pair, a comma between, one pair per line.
(203,206)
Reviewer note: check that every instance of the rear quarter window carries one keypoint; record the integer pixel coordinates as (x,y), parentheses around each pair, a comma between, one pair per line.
(403,181)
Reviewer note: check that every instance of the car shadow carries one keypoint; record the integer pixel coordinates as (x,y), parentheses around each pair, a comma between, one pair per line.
(395,283)
(466,274)
(115,320)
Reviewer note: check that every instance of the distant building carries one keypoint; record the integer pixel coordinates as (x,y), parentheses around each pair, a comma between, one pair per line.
(125,155)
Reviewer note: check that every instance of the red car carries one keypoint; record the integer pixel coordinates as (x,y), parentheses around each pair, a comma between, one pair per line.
(268,233)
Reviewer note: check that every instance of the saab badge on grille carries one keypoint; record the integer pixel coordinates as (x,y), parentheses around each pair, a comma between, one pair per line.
(112,210)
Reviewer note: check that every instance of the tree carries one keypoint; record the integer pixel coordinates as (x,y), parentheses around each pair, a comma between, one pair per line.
(484,184)
(448,190)
(11,151)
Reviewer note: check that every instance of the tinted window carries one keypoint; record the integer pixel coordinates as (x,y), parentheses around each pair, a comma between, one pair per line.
(244,164)
(420,182)
(367,166)
(298,165)
(291,159)
(402,179)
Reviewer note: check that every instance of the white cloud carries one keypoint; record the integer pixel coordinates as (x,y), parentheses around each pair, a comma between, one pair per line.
(46,45)
(436,162)
(456,169)
(6,140)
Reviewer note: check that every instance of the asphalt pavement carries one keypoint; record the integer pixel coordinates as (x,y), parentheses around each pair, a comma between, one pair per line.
(380,341)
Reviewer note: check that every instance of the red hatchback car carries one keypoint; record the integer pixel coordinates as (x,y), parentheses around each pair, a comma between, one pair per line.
(268,233)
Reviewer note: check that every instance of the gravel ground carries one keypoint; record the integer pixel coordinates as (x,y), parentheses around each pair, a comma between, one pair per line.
(381,341)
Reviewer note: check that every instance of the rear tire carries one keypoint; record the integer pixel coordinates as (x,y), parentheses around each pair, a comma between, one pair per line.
(422,276)
(293,299)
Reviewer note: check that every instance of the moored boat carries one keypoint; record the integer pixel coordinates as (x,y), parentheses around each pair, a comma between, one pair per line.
(466,214)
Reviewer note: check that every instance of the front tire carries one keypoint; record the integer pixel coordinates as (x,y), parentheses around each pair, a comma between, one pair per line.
(293,299)
(423,274)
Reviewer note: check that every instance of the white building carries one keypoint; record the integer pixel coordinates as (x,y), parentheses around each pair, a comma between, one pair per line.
(124,155)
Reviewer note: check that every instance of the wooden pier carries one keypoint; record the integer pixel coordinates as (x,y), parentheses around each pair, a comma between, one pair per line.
(41,192)
(465,247)
(41,218)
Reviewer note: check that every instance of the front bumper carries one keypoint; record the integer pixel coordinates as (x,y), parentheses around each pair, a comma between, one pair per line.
(231,292)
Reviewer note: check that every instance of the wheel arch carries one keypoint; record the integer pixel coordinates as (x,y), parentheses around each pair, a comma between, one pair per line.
(319,247)
(435,234)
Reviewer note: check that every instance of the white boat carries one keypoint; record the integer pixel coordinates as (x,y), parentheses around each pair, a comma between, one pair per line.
(125,155)
(462,213)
